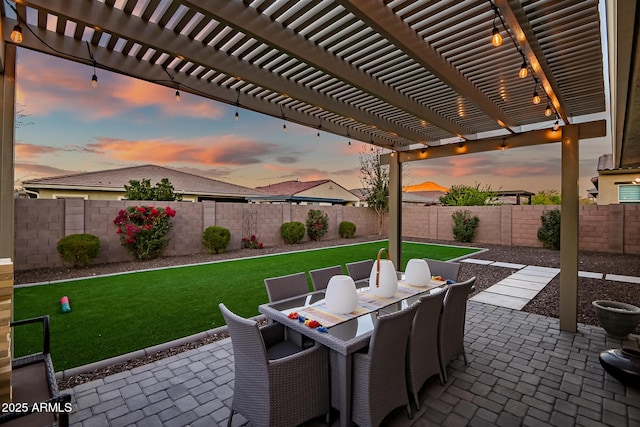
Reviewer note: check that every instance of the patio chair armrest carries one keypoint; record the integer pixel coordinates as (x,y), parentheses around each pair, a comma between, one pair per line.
(46,334)
(272,333)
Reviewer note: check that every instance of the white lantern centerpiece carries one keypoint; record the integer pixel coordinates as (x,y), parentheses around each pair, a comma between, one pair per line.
(383,281)
(417,272)
(341,296)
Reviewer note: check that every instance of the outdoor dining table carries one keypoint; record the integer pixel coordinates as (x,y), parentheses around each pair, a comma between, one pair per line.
(345,334)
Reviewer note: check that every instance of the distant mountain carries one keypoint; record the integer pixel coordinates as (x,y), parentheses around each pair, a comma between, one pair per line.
(425,186)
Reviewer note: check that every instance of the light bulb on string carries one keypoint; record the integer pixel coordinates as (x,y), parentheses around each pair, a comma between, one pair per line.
(556,126)
(496,38)
(94,81)
(536,97)
(237,116)
(284,127)
(523,70)
(16,34)
(548,111)
(318,136)
(177,96)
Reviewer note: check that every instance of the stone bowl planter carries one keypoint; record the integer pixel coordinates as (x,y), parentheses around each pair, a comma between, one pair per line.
(622,364)
(617,318)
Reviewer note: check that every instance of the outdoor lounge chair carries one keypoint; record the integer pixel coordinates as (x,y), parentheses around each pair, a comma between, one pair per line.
(423,360)
(276,382)
(451,331)
(320,277)
(360,271)
(33,381)
(379,377)
(284,287)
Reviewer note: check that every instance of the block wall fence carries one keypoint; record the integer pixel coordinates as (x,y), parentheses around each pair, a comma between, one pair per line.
(39,224)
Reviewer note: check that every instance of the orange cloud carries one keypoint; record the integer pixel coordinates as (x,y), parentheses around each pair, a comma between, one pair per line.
(223,151)
(67,88)
(29,151)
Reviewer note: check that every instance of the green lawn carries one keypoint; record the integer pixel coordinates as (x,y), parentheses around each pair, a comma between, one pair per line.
(118,314)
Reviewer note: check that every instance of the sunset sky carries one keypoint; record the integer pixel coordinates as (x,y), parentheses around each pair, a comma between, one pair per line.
(70,127)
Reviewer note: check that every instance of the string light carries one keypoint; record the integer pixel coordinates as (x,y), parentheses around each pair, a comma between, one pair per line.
(503,146)
(177,95)
(94,80)
(284,126)
(94,77)
(496,38)
(16,34)
(556,126)
(548,111)
(524,72)
(237,116)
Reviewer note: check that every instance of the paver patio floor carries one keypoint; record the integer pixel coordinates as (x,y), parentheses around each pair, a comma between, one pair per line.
(522,371)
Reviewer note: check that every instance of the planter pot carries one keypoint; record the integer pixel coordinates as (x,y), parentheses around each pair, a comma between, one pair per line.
(622,364)
(617,318)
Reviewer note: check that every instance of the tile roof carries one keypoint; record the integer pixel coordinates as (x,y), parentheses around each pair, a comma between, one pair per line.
(115,179)
(290,188)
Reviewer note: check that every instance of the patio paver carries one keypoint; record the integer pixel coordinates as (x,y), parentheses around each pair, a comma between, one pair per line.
(522,371)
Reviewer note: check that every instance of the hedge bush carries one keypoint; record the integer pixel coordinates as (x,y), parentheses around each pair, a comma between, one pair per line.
(78,250)
(216,239)
(347,229)
(464,225)
(549,231)
(317,223)
(292,232)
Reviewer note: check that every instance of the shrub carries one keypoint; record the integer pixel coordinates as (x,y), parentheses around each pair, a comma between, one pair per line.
(251,242)
(464,226)
(78,250)
(216,239)
(292,232)
(347,229)
(317,224)
(549,231)
(142,229)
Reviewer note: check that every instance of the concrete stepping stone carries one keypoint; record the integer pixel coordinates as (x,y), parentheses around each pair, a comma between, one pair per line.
(512,291)
(508,265)
(500,300)
(590,275)
(510,281)
(477,261)
(619,278)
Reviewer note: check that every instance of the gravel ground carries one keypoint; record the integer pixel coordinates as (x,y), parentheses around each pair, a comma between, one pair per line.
(545,303)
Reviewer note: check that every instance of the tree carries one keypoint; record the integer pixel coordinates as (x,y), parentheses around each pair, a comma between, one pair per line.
(546,197)
(374,177)
(142,190)
(464,195)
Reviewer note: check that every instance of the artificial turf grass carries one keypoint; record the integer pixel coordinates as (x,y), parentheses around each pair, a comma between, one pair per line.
(118,314)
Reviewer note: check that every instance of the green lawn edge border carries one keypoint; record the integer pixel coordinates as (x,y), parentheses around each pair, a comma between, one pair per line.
(73,279)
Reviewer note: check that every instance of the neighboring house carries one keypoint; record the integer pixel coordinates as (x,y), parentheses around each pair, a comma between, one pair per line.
(615,186)
(412,198)
(323,192)
(109,185)
(427,193)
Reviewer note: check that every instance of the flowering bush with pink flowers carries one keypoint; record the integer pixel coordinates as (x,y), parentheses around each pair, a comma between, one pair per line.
(142,229)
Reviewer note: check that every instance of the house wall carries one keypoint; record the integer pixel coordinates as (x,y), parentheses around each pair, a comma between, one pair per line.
(46,193)
(40,223)
(607,187)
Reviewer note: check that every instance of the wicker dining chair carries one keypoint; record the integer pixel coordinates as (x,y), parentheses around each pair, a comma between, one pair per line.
(286,286)
(360,271)
(451,330)
(448,270)
(423,360)
(320,277)
(276,383)
(379,378)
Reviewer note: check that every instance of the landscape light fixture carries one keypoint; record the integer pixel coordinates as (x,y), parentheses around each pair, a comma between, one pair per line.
(16,34)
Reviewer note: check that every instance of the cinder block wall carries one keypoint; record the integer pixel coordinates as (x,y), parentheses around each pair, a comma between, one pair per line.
(41,223)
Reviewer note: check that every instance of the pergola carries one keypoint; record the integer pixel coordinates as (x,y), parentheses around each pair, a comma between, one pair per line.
(418,77)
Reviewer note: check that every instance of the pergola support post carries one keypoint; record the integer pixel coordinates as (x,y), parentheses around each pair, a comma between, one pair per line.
(7,112)
(395,210)
(569,228)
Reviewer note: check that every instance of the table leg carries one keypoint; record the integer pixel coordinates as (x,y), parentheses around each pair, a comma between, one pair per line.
(341,386)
